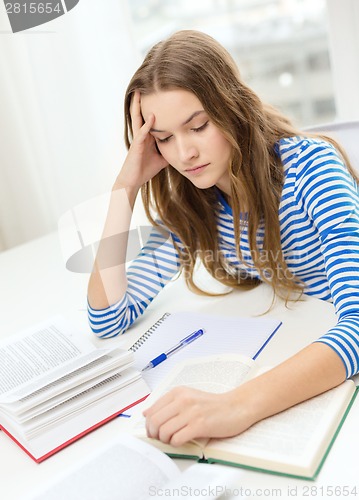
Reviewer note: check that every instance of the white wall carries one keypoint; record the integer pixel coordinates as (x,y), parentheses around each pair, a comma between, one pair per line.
(61,114)
(344,47)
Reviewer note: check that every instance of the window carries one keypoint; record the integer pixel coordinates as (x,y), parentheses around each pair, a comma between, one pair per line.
(280,46)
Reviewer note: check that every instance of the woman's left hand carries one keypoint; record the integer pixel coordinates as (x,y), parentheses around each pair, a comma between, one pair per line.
(184,414)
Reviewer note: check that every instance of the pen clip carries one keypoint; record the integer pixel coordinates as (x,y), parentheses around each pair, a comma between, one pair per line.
(192,336)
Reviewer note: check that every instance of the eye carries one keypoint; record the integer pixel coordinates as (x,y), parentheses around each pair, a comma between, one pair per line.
(162,141)
(202,127)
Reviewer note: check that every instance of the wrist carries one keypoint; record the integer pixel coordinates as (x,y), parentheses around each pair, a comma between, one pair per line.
(131,191)
(251,403)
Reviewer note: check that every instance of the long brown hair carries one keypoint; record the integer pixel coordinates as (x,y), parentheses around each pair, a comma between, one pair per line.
(195,62)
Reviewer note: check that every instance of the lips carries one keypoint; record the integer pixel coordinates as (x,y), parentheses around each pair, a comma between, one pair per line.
(197,168)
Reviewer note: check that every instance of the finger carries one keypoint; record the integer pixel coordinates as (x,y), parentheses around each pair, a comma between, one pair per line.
(168,431)
(168,421)
(183,435)
(172,427)
(163,401)
(157,415)
(135,112)
(145,129)
(159,421)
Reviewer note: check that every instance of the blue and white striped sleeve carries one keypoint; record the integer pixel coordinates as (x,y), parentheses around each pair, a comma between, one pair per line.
(330,197)
(149,272)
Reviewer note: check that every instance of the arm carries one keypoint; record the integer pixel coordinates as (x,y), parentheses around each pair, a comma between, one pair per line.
(149,272)
(108,278)
(108,281)
(184,414)
(330,198)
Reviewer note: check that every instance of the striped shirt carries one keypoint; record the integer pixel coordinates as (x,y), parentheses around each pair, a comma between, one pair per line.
(319,224)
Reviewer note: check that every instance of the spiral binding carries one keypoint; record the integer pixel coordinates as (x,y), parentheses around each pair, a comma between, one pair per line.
(148,333)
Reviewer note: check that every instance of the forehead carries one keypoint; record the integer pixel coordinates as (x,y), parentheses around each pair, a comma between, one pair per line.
(170,107)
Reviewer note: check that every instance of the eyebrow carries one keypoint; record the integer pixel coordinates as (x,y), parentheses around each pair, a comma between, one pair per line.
(193,115)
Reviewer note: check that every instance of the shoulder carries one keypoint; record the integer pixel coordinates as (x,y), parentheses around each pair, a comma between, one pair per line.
(318,179)
(312,161)
(302,152)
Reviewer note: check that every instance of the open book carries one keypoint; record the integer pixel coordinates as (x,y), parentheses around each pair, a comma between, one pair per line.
(294,442)
(130,469)
(56,386)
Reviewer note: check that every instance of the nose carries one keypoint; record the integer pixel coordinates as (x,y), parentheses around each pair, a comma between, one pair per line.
(187,149)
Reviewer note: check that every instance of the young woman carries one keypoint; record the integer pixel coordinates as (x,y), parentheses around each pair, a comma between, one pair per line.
(234,184)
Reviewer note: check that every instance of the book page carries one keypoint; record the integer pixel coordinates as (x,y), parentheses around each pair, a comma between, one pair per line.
(76,404)
(211,374)
(30,412)
(61,388)
(297,437)
(127,469)
(40,355)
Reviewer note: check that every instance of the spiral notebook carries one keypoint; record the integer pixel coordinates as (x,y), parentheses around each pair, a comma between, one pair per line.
(222,334)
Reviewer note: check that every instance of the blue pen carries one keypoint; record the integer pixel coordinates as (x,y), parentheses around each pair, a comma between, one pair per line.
(182,343)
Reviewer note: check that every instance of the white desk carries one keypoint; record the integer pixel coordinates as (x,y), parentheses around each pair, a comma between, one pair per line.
(35,285)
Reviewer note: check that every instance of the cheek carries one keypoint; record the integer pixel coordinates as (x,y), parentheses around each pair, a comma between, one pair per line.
(220,144)
(167,153)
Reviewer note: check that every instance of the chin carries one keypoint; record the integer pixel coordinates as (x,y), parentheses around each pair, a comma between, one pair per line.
(203,185)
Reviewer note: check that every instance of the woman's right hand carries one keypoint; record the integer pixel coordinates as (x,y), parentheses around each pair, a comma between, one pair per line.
(143,160)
